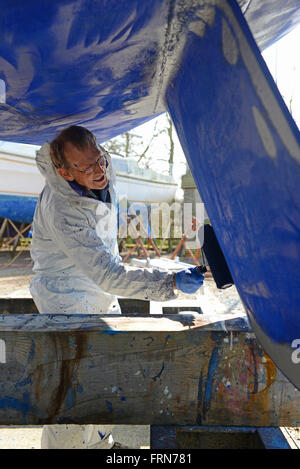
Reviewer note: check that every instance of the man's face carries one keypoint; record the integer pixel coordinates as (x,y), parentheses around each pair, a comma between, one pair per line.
(87,167)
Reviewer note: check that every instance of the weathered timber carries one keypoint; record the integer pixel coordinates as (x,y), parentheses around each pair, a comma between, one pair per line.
(27,306)
(205,437)
(128,306)
(181,309)
(17,306)
(161,370)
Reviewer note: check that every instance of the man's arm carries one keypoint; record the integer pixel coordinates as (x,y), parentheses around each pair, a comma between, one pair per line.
(81,244)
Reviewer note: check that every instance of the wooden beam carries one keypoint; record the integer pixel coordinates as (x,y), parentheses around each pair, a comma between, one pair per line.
(163,370)
(17,306)
(205,437)
(27,306)
(128,307)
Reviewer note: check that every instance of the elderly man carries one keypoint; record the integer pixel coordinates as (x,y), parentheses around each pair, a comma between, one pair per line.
(76,261)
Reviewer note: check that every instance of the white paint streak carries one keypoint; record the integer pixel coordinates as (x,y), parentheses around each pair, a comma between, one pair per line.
(229,45)
(2,351)
(262,86)
(197,27)
(2,91)
(264,133)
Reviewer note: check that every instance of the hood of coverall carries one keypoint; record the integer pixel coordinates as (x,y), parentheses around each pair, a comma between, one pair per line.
(53,178)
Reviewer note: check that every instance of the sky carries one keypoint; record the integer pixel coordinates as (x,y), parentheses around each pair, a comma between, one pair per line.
(283,60)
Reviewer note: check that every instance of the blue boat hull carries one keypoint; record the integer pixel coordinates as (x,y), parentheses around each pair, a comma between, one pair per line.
(103,64)
(243,150)
(17,208)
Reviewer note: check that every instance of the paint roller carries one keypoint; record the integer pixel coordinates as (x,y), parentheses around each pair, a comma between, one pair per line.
(215,259)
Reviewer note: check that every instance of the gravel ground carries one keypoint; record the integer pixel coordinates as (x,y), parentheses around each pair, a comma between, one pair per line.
(14,282)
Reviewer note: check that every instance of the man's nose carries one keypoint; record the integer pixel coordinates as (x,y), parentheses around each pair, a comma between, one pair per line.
(100,168)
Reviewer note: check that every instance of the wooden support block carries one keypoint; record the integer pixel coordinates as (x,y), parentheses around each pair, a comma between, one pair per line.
(128,306)
(17,306)
(27,306)
(181,309)
(206,437)
(277,438)
(218,438)
(160,370)
(131,306)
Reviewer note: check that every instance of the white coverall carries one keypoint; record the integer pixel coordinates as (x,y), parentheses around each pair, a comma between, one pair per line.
(78,270)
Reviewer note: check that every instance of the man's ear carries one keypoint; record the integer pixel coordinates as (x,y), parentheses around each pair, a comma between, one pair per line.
(64,173)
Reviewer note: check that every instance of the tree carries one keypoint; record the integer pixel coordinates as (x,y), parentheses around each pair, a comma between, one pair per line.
(150,143)
(123,145)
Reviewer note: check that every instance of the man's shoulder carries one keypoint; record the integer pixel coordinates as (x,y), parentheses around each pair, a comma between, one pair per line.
(51,202)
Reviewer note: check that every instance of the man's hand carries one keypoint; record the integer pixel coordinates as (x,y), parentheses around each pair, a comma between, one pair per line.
(189,280)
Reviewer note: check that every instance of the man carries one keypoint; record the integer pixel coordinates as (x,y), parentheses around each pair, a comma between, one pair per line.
(76,261)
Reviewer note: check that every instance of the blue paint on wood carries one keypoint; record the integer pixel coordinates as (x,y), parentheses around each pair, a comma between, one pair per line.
(113,332)
(70,398)
(159,374)
(209,380)
(150,340)
(199,398)
(101,435)
(273,438)
(24,382)
(31,351)
(109,406)
(22,406)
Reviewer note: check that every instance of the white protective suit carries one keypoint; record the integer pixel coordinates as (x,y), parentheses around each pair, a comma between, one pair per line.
(78,270)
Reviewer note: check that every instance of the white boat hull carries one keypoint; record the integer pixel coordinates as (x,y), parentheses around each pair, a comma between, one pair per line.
(21,184)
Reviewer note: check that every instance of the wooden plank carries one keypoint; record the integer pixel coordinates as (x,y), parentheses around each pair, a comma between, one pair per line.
(206,437)
(128,306)
(27,306)
(290,438)
(181,309)
(17,306)
(276,438)
(218,438)
(162,370)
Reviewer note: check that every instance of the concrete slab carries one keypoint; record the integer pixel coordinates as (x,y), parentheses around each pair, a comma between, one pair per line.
(29,437)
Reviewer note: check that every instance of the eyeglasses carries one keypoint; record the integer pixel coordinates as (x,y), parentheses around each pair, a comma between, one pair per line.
(101,162)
